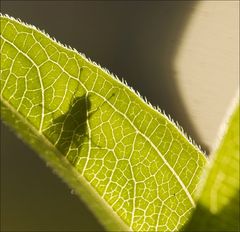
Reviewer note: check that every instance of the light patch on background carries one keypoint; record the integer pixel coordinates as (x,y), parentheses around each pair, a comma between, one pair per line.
(207,65)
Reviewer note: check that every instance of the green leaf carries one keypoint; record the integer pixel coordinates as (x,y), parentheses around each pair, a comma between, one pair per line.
(133,166)
(218,205)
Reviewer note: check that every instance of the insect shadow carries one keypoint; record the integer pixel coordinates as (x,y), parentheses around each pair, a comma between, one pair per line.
(69,131)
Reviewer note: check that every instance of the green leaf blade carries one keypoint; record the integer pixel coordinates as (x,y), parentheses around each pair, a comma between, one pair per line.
(137,161)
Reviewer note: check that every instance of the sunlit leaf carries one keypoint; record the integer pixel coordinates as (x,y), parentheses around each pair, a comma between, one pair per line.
(133,166)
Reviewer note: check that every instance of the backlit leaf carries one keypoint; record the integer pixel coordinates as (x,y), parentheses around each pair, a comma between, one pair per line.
(132,165)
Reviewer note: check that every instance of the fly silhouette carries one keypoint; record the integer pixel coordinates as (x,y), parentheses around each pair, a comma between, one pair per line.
(70,131)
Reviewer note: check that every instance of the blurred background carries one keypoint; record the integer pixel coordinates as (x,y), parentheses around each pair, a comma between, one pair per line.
(182,55)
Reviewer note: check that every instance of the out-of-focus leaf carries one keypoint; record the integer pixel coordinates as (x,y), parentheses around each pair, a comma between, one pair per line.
(218,205)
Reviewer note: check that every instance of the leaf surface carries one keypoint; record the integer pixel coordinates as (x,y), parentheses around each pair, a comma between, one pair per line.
(132,165)
(218,205)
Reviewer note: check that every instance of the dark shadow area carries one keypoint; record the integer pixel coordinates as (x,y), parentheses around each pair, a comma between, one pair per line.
(226,220)
(138,41)
(70,129)
(32,198)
